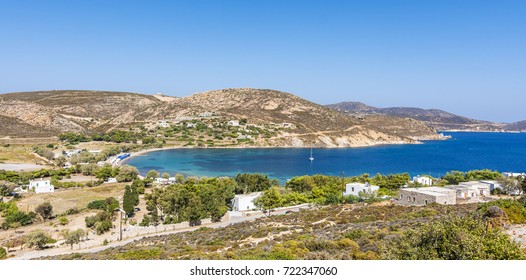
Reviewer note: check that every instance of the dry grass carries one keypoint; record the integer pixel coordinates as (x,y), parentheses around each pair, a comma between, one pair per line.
(63,200)
(18,154)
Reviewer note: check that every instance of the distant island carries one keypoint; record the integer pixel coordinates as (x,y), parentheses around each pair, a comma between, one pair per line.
(437,119)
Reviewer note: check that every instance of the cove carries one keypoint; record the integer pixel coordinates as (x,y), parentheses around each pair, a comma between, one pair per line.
(465,151)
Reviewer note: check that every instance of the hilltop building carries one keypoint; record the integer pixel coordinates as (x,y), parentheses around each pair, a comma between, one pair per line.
(233,123)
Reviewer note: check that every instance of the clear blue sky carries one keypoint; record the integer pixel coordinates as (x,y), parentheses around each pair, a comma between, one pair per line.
(467,57)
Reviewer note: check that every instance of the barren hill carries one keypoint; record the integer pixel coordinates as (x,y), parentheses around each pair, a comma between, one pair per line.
(438,119)
(48,113)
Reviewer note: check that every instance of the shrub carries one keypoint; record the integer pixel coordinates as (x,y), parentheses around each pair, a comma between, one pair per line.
(97,204)
(3,253)
(513,208)
(453,238)
(63,221)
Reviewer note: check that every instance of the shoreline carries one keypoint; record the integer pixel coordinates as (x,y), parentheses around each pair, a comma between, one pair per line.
(145,151)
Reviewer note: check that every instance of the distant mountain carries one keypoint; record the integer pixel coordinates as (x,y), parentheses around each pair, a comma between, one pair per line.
(49,113)
(518,126)
(437,119)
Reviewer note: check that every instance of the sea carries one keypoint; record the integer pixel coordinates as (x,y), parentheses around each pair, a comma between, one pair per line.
(463,152)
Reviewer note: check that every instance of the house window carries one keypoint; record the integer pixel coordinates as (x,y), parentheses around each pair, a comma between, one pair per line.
(414,199)
(401,196)
(425,201)
(352,189)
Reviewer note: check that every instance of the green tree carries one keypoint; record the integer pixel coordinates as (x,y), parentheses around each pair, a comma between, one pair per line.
(45,210)
(111,205)
(61,161)
(73,237)
(165,175)
(248,183)
(104,172)
(128,201)
(3,253)
(269,200)
(152,174)
(127,173)
(38,239)
(6,188)
(179,178)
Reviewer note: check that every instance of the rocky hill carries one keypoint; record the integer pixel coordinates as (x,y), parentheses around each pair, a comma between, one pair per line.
(48,113)
(518,126)
(437,119)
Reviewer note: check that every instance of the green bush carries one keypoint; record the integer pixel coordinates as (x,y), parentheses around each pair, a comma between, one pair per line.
(513,208)
(453,238)
(97,204)
(3,253)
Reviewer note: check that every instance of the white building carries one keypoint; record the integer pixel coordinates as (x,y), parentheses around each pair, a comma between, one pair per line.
(206,115)
(164,181)
(111,180)
(72,153)
(424,180)
(513,174)
(233,123)
(243,137)
(356,188)
(492,184)
(190,125)
(41,186)
(245,202)
(164,124)
(481,188)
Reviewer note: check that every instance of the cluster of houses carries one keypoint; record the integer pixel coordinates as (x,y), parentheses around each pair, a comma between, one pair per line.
(466,192)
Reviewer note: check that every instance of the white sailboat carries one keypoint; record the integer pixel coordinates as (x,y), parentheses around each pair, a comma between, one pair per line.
(311,158)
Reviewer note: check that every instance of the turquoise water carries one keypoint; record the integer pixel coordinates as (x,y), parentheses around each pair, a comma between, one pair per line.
(465,151)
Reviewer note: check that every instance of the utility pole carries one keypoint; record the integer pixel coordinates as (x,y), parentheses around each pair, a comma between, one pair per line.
(120,228)
(343,182)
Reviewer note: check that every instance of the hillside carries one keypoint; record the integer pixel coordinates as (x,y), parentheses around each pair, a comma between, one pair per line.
(349,232)
(437,119)
(49,113)
(518,126)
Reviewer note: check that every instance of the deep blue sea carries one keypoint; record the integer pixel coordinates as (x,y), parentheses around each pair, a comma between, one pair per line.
(465,151)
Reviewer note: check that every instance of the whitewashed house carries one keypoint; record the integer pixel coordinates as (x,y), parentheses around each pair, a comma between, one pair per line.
(492,184)
(164,124)
(513,174)
(244,137)
(245,202)
(206,115)
(41,186)
(356,188)
(161,181)
(481,188)
(423,180)
(233,123)
(190,125)
(72,153)
(111,180)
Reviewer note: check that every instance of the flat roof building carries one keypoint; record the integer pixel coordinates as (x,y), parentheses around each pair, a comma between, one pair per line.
(424,196)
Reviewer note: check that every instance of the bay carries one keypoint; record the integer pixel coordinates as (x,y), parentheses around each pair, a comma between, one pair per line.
(465,151)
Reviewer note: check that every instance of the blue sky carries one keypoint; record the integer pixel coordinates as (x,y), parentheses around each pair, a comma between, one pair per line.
(467,57)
